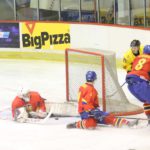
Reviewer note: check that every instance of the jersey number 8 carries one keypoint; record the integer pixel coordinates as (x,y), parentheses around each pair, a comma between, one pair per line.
(140,64)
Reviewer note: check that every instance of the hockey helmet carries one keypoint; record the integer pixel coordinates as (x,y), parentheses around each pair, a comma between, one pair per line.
(24,94)
(147,49)
(135,43)
(91,76)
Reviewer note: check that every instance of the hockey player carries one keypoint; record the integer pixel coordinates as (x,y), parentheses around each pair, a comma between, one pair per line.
(139,79)
(28,104)
(135,50)
(89,110)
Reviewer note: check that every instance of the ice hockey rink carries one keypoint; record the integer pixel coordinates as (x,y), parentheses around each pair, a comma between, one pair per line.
(49,79)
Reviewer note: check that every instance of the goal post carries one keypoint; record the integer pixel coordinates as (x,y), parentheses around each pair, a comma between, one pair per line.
(101,60)
(78,62)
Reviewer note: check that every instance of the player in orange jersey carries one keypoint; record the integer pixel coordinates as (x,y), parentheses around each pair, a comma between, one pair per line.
(28,104)
(139,79)
(89,109)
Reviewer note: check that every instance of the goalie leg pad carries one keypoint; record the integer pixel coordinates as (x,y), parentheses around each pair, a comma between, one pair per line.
(20,115)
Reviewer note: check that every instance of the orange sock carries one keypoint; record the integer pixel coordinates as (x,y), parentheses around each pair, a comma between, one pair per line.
(86,123)
(146,109)
(117,122)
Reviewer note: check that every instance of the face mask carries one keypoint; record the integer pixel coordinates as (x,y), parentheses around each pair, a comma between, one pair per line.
(135,50)
(26,98)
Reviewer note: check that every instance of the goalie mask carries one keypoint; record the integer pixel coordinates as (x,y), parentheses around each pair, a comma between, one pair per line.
(24,94)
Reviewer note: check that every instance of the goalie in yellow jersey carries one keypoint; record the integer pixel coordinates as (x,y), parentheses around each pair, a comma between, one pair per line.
(135,50)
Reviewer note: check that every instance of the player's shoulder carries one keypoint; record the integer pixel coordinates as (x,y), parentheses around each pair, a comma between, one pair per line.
(83,86)
(17,98)
(34,93)
(143,56)
(86,86)
(128,53)
(141,49)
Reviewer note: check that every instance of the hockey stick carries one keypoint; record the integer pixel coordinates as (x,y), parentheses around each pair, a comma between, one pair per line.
(48,116)
(28,120)
(38,120)
(134,118)
(112,94)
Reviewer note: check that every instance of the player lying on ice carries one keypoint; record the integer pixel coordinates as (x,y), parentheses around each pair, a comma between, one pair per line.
(89,110)
(28,104)
(139,79)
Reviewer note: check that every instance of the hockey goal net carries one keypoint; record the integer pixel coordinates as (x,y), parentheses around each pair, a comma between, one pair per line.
(111,96)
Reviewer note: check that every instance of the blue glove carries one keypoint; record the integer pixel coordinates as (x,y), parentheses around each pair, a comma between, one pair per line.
(98,114)
(85,115)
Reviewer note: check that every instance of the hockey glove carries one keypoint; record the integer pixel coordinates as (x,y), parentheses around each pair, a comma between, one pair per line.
(98,114)
(28,107)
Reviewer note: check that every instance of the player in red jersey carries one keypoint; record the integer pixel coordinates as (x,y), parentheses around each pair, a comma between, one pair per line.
(28,104)
(139,79)
(89,109)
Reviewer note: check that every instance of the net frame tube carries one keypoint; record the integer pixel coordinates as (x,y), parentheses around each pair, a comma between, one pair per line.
(103,73)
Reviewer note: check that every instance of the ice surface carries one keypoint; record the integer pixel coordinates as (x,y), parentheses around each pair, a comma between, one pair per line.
(49,79)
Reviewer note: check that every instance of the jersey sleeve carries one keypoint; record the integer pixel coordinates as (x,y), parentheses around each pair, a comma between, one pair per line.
(37,102)
(127,65)
(17,103)
(42,105)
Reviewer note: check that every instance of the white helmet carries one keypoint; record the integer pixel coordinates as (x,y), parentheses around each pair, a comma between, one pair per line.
(24,94)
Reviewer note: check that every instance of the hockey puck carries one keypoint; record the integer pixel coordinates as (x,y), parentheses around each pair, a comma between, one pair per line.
(56,118)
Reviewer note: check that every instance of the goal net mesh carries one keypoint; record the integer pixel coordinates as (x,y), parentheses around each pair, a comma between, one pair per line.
(111,96)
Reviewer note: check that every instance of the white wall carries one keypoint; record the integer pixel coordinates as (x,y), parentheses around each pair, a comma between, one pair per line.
(103,37)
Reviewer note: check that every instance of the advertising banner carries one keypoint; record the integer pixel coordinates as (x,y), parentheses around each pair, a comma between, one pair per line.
(9,35)
(54,36)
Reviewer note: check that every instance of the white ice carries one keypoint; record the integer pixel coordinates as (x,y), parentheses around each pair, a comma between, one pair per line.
(49,78)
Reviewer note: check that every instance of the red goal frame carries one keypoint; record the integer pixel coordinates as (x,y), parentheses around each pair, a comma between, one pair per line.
(134,112)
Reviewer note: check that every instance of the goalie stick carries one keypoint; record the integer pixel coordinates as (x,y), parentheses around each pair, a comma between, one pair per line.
(134,118)
(47,117)
(5,114)
(37,120)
